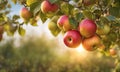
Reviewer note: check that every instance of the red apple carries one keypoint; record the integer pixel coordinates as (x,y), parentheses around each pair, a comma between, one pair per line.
(63,23)
(87,28)
(91,43)
(47,7)
(72,38)
(113,51)
(25,13)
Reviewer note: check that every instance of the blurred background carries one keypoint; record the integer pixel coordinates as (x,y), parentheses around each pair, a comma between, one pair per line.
(44,54)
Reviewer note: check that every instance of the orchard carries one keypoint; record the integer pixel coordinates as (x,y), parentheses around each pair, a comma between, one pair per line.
(93,23)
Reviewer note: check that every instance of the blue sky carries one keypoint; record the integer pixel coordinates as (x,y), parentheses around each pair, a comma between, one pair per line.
(15,8)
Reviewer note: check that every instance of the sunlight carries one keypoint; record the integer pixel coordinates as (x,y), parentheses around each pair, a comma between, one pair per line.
(78,54)
(81,50)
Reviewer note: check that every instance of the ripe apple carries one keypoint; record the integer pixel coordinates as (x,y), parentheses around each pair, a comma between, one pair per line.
(47,7)
(25,13)
(103,30)
(87,28)
(29,2)
(63,23)
(89,2)
(91,43)
(72,38)
(1,29)
(113,51)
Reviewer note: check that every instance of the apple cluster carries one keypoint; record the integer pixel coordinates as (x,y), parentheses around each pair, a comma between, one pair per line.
(85,33)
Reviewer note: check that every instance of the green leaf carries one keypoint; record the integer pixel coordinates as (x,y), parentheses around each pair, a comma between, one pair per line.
(35,7)
(21,31)
(104,20)
(55,18)
(115,11)
(117,24)
(66,8)
(71,9)
(53,1)
(42,17)
(33,22)
(88,14)
(76,0)
(15,17)
(73,23)
(79,17)
(110,18)
(14,1)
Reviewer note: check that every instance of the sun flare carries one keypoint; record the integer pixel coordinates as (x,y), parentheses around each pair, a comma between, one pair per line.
(80,49)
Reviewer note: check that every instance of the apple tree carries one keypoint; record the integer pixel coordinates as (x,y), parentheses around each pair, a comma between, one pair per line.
(93,23)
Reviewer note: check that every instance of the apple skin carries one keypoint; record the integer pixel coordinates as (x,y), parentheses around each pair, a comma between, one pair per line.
(87,28)
(72,38)
(113,51)
(47,7)
(92,43)
(25,13)
(29,2)
(63,23)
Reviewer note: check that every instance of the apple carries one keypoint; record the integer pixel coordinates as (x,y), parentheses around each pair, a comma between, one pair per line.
(25,13)
(63,23)
(1,29)
(72,38)
(47,7)
(87,28)
(29,2)
(113,51)
(103,30)
(92,43)
(89,2)
(52,26)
